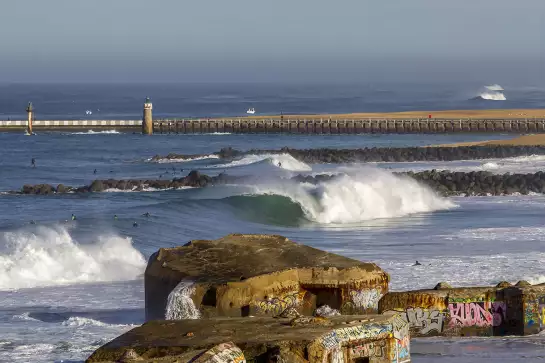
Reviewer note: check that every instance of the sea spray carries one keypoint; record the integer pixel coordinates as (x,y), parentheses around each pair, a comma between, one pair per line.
(283,161)
(361,194)
(48,256)
(180,305)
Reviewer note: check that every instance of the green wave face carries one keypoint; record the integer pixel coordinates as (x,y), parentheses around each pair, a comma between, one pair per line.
(267,209)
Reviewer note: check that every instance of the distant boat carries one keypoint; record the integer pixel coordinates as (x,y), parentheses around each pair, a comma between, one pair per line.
(88,112)
(251,111)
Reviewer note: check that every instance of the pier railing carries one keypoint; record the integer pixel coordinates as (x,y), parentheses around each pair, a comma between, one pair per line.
(299,125)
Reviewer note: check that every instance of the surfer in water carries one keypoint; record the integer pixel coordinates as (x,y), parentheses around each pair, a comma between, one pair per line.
(95,171)
(417,264)
(147,214)
(74,217)
(279,164)
(33,162)
(135,224)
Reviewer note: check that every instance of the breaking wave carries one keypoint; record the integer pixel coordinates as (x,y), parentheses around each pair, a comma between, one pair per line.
(48,256)
(283,161)
(492,93)
(78,321)
(167,161)
(355,197)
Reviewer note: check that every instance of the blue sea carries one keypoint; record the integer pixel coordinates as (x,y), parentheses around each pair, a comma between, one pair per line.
(67,287)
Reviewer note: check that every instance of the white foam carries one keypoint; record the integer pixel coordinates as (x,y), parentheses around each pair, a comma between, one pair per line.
(24,317)
(495,87)
(48,256)
(147,189)
(168,161)
(180,305)
(91,132)
(493,93)
(77,321)
(490,166)
(362,194)
(283,161)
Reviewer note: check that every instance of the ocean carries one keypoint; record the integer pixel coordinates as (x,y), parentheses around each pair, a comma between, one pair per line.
(67,287)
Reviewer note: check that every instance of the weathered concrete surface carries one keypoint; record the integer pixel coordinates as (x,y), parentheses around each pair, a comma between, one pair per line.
(381,338)
(475,311)
(257,275)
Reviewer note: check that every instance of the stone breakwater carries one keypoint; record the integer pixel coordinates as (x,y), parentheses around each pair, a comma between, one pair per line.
(445,183)
(401,154)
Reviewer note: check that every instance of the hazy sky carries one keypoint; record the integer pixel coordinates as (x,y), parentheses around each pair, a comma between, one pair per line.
(278,40)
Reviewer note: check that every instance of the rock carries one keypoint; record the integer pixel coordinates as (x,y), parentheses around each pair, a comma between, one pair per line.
(257,275)
(503,284)
(262,340)
(63,189)
(326,311)
(96,186)
(523,283)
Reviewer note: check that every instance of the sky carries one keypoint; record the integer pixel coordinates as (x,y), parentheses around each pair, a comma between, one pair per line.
(269,41)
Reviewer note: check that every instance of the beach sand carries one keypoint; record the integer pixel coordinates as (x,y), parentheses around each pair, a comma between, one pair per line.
(526,140)
(465,114)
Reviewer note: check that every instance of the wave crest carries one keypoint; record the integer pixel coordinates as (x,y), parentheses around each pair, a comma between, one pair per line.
(50,256)
(283,161)
(360,196)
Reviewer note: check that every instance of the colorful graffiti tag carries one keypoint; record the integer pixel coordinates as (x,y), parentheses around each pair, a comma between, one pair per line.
(276,305)
(373,349)
(423,321)
(402,350)
(541,307)
(481,314)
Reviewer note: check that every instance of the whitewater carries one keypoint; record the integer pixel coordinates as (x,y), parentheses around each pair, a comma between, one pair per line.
(68,287)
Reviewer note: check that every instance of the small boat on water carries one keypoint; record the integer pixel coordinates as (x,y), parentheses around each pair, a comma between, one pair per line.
(251,111)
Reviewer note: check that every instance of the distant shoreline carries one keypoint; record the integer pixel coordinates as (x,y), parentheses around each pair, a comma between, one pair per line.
(526,140)
(446,114)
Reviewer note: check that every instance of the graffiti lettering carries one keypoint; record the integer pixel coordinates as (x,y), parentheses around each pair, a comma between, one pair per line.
(374,349)
(402,349)
(276,305)
(482,314)
(427,320)
(335,338)
(365,299)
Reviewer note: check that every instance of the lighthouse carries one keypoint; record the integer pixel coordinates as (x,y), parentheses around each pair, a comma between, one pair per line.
(30,113)
(147,121)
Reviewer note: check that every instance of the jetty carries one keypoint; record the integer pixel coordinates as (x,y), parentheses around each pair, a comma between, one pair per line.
(484,121)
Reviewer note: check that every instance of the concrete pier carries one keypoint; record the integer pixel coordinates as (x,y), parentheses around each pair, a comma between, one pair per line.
(292,126)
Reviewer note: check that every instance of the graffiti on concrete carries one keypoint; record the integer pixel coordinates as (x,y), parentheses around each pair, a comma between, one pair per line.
(361,300)
(541,307)
(277,305)
(423,321)
(334,339)
(366,299)
(221,353)
(375,349)
(481,314)
(427,321)
(402,350)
